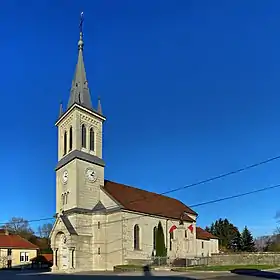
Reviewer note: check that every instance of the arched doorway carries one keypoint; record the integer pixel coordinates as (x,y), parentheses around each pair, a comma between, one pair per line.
(62,254)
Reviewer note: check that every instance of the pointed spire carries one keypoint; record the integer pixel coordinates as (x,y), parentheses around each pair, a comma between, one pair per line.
(79,91)
(99,108)
(60,110)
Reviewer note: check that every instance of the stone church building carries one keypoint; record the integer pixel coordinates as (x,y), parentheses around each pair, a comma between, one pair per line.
(100,223)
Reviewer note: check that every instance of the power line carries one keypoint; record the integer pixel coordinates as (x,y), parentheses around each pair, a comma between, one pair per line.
(193,206)
(30,221)
(196,184)
(224,175)
(235,196)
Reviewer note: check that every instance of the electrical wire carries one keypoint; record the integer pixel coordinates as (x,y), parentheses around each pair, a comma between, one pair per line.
(195,184)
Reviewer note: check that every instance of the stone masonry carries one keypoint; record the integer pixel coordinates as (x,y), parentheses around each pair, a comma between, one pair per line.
(244,259)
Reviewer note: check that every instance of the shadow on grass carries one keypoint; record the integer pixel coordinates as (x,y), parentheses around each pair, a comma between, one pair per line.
(256,273)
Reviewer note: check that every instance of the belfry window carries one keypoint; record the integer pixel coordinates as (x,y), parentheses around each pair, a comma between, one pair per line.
(70,139)
(84,136)
(91,139)
(65,143)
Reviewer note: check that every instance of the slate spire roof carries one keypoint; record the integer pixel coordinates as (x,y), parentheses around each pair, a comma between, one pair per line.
(80,93)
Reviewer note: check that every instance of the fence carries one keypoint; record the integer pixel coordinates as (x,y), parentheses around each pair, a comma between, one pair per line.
(160,261)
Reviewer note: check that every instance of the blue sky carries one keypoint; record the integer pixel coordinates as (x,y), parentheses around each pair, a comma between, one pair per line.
(190,90)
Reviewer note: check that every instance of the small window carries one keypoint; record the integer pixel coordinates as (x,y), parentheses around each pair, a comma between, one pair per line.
(99,251)
(202,245)
(98,225)
(70,138)
(9,252)
(66,197)
(91,139)
(186,234)
(22,255)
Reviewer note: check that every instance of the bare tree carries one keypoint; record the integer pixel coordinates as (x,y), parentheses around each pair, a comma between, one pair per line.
(262,242)
(45,230)
(20,226)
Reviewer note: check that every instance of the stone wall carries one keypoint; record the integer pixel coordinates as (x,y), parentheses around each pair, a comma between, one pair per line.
(244,259)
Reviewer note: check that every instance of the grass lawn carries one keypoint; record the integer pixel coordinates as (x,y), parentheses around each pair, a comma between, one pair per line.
(224,267)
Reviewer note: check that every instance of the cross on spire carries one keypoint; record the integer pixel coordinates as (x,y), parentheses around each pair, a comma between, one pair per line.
(81,22)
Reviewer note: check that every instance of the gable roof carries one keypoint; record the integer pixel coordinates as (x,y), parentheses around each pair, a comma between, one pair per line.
(142,201)
(15,242)
(203,234)
(68,225)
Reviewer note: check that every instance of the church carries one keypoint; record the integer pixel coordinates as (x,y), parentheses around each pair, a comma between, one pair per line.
(101,223)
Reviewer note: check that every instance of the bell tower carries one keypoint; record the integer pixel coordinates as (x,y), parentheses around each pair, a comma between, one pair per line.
(80,167)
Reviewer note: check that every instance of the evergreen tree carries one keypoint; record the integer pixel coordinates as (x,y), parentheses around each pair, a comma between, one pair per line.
(248,244)
(226,232)
(208,229)
(160,245)
(236,242)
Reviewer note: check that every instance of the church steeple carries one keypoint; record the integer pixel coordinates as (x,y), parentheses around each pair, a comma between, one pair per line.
(80,93)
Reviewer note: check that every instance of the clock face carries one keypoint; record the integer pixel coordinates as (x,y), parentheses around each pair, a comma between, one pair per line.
(91,175)
(65,177)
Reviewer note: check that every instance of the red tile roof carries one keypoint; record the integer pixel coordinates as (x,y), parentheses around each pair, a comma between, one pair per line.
(203,234)
(3,231)
(142,201)
(43,258)
(48,257)
(16,242)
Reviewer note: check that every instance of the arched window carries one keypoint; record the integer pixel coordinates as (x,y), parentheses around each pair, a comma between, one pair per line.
(171,237)
(70,138)
(91,139)
(84,136)
(154,237)
(65,143)
(136,237)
